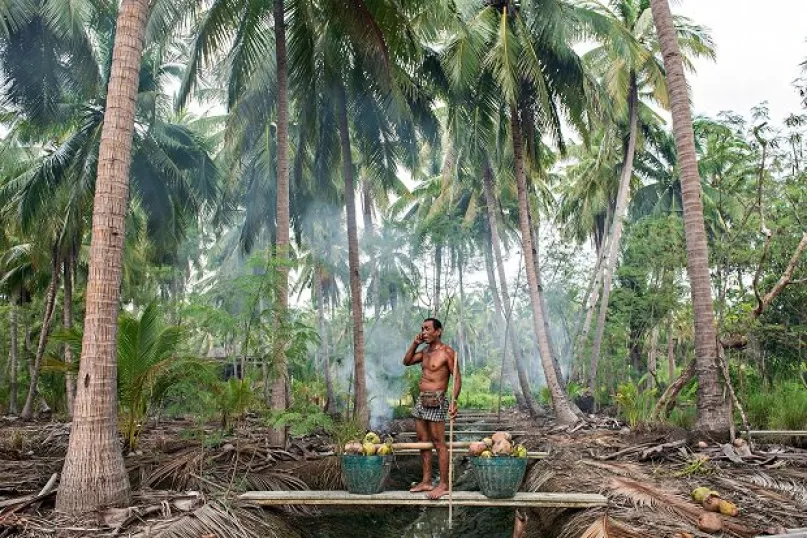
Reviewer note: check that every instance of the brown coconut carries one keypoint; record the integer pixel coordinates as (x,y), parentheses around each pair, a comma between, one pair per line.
(475,449)
(710,522)
(501,436)
(502,448)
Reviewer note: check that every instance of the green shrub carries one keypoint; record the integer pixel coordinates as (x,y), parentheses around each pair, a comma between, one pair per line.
(635,405)
(790,409)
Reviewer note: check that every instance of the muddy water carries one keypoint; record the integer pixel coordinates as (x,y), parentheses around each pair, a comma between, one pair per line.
(412,522)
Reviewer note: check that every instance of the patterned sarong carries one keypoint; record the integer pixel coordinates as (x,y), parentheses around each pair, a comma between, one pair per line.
(431,414)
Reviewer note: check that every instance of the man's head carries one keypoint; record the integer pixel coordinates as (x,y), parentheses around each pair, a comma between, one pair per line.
(432,330)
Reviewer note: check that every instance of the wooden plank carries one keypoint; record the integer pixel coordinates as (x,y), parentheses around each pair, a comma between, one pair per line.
(399,498)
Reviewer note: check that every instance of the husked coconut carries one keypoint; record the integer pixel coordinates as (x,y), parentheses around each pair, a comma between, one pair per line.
(475,449)
(502,448)
(353,447)
(501,436)
(710,522)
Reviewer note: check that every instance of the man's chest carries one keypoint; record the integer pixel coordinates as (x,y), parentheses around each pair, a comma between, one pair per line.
(433,361)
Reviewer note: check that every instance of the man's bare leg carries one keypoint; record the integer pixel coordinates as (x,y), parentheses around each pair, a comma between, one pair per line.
(425,457)
(438,435)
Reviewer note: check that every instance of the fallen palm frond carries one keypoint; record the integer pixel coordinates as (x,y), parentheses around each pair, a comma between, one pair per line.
(793,487)
(178,472)
(219,519)
(605,527)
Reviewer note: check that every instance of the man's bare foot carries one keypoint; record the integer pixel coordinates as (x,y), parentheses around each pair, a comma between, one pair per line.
(439,491)
(423,486)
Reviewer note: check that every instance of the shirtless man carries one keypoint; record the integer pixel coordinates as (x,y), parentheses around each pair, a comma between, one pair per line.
(438,362)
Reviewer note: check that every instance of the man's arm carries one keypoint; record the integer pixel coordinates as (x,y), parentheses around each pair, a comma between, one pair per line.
(411,356)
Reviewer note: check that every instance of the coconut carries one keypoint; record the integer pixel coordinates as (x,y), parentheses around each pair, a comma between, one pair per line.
(372,437)
(501,436)
(486,454)
(703,444)
(488,442)
(369,449)
(712,502)
(477,448)
(728,508)
(353,447)
(709,522)
(502,448)
(699,494)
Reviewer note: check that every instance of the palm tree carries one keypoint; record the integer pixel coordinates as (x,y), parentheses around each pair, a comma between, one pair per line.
(713,410)
(278,436)
(94,473)
(628,66)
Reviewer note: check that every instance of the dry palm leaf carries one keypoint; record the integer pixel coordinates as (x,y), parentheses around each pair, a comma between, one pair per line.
(791,487)
(628,470)
(605,527)
(645,495)
(218,519)
(177,473)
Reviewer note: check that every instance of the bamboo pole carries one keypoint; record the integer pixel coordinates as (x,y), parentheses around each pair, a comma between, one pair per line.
(778,433)
(533,455)
(481,433)
(405,498)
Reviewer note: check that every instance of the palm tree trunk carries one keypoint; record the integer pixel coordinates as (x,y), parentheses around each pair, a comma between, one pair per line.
(560,402)
(330,403)
(94,474)
(508,366)
(47,318)
(360,410)
(575,338)
(714,412)
(651,358)
(490,202)
(438,276)
(616,228)
(670,354)
(369,233)
(67,322)
(277,436)
(12,358)
(542,297)
(461,311)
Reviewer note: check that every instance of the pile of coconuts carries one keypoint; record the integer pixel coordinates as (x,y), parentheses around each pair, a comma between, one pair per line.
(370,446)
(714,504)
(497,445)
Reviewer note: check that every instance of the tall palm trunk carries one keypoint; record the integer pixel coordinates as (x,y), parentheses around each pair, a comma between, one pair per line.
(508,366)
(67,322)
(94,474)
(651,358)
(714,412)
(542,297)
(12,357)
(278,436)
(369,233)
(560,402)
(507,360)
(360,409)
(438,277)
(616,227)
(670,355)
(490,202)
(319,278)
(47,319)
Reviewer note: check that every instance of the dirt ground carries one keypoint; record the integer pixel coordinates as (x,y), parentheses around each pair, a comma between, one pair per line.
(186,480)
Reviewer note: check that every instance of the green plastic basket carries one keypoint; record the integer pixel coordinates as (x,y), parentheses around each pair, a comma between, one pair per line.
(499,478)
(365,475)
